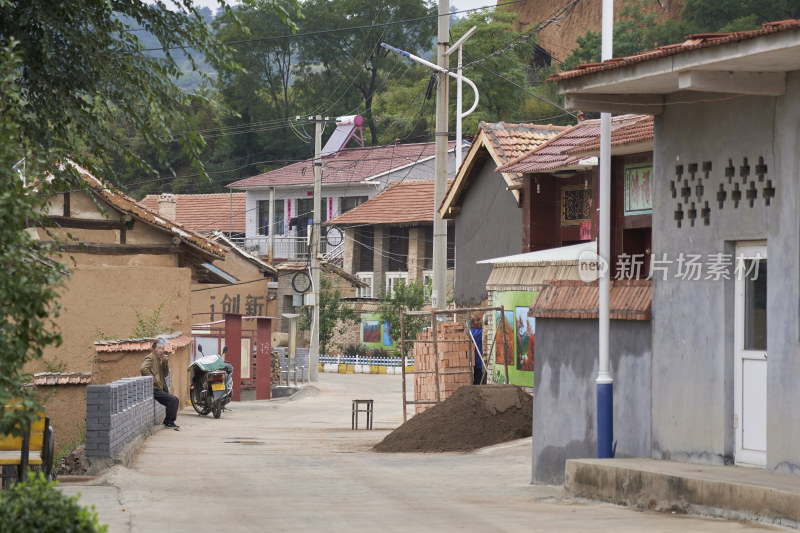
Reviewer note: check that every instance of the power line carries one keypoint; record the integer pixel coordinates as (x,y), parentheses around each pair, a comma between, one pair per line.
(350,28)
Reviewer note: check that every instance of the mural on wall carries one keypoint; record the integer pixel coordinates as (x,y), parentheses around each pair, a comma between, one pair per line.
(387,340)
(504,347)
(520,331)
(371,331)
(639,189)
(526,338)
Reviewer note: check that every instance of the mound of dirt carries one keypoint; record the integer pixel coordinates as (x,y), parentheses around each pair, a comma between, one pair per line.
(473,417)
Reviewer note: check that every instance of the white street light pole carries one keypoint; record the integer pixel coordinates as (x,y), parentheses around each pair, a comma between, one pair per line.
(605,383)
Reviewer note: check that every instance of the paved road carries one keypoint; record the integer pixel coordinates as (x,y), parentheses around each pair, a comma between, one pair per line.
(295,465)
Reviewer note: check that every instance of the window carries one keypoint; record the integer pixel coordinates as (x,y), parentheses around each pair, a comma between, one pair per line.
(365,277)
(392,278)
(364,245)
(350,202)
(398,249)
(427,282)
(263,218)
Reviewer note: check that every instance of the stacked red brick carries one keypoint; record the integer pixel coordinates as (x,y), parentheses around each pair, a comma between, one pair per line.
(454,363)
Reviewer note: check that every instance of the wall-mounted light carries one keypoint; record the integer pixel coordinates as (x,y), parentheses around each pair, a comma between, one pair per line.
(538,186)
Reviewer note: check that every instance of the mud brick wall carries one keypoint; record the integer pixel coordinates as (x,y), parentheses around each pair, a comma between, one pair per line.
(454,363)
(118,412)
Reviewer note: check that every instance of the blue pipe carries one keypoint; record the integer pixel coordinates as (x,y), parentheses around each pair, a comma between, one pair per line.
(605,420)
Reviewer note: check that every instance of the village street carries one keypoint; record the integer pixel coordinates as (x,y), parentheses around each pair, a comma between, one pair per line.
(295,465)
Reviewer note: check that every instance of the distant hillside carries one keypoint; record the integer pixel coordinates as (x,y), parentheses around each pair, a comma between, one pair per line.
(189,79)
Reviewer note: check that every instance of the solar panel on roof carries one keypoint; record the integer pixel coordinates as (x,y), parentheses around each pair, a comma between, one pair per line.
(345,128)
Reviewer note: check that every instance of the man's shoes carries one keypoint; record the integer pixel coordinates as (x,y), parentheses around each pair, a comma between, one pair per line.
(172,425)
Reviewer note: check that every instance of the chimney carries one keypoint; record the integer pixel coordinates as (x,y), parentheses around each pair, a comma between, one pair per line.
(166,205)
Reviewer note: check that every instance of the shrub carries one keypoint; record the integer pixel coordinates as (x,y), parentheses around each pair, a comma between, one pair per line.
(355,349)
(39,507)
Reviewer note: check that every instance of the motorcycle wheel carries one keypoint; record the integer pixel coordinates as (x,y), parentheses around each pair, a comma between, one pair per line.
(201,408)
(217,408)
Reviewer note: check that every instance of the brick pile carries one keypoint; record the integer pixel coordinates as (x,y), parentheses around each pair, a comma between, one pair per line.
(454,363)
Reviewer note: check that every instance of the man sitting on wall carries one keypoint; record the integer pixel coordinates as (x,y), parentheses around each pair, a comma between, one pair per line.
(156,364)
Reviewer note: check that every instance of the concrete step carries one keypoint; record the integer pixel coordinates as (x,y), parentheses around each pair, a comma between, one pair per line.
(722,491)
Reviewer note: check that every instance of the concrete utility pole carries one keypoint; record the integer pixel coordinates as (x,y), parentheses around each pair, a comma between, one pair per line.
(605,383)
(438,294)
(313,352)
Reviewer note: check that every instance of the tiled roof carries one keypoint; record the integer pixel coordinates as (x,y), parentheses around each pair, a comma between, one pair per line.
(502,142)
(553,154)
(128,205)
(285,268)
(630,134)
(140,345)
(510,141)
(692,42)
(404,202)
(62,378)
(628,300)
(206,212)
(345,166)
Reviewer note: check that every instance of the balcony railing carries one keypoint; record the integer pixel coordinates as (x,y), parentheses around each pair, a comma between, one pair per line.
(295,248)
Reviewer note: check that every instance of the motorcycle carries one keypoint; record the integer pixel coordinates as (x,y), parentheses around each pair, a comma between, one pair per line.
(211,383)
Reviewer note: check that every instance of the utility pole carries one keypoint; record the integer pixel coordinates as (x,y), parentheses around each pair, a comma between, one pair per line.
(313,352)
(438,294)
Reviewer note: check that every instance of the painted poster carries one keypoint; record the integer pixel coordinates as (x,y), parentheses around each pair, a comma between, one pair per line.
(372,331)
(639,189)
(526,338)
(505,339)
(387,340)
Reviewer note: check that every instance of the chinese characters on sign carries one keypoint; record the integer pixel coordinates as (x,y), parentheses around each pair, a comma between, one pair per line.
(253,305)
(639,189)
(586,231)
(576,205)
(689,267)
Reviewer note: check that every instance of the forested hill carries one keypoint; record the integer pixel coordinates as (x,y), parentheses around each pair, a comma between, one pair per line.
(189,79)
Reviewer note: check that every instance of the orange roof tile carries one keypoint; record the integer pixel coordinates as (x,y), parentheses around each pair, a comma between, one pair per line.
(553,154)
(407,202)
(692,42)
(62,378)
(207,212)
(140,345)
(628,300)
(632,133)
(130,206)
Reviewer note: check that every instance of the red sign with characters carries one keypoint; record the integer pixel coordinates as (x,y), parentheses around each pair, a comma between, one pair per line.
(586,231)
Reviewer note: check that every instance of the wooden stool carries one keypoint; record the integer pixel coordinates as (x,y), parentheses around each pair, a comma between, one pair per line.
(362,406)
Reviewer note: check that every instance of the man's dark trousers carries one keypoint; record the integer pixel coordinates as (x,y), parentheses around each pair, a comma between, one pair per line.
(170,402)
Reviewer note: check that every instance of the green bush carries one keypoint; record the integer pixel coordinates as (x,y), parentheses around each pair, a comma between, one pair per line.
(355,349)
(39,507)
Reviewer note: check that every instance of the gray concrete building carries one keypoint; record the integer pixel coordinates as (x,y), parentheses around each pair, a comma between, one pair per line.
(485,205)
(725,207)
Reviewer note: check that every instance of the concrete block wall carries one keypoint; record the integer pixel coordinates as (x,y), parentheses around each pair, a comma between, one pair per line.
(454,363)
(118,412)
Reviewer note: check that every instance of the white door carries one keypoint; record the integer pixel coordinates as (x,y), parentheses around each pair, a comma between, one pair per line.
(750,358)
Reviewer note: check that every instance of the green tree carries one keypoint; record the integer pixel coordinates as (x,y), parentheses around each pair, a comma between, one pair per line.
(28,281)
(334,315)
(261,94)
(510,54)
(354,58)
(406,297)
(74,75)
